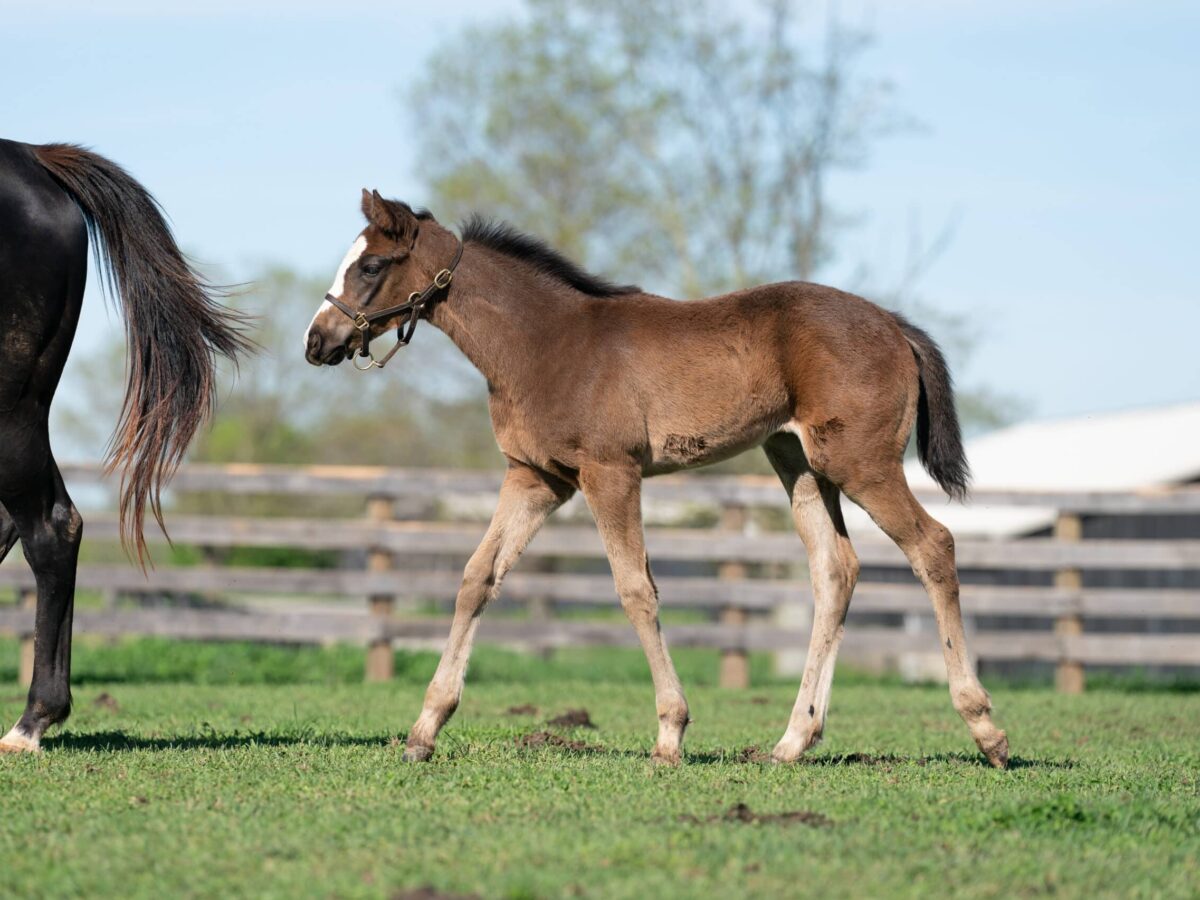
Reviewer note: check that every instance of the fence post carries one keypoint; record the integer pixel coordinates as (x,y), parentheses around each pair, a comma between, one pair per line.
(541,612)
(1068,676)
(28,600)
(735,664)
(381,661)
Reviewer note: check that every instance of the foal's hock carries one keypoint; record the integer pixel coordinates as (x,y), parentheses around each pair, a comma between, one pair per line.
(594,386)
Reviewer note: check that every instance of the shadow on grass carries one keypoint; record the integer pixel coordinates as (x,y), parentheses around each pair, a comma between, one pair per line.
(959,759)
(118,741)
(755,756)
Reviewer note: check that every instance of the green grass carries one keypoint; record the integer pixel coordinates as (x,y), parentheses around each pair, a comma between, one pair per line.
(273,789)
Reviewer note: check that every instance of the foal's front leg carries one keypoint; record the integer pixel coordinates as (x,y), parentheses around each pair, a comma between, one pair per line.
(527,497)
(615,497)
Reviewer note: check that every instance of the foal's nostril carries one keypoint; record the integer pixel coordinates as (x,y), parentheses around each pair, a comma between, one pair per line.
(314,342)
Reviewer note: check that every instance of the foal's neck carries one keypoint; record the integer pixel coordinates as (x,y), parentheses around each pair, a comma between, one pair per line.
(499,309)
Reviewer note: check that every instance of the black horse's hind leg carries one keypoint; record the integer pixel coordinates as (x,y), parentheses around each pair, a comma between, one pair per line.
(50,529)
(8,533)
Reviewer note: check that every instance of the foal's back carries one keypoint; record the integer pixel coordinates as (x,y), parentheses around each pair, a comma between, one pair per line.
(716,376)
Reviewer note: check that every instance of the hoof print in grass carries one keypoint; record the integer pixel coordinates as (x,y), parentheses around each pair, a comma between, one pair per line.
(753,754)
(573,718)
(429,892)
(539,739)
(740,812)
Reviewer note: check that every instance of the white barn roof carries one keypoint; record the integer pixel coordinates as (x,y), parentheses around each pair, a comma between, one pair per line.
(1129,450)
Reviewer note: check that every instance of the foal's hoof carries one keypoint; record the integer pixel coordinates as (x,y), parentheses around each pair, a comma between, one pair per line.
(666,757)
(996,750)
(417,753)
(790,750)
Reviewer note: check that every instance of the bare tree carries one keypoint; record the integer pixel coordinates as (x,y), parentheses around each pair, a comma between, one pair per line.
(682,142)
(688,145)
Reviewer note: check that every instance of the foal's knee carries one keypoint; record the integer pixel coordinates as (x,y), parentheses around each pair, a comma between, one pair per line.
(639,599)
(838,568)
(481,580)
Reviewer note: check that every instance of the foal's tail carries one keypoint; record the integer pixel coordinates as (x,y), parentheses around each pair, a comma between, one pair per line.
(939,437)
(174,324)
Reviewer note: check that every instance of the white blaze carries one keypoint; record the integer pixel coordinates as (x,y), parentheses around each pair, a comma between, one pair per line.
(339,281)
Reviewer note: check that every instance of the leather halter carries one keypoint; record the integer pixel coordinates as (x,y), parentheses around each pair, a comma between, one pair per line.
(415,305)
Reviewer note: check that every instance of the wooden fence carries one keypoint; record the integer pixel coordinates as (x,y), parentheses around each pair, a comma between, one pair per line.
(747,579)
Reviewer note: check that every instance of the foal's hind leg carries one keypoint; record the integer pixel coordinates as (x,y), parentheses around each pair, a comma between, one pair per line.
(527,497)
(614,495)
(50,529)
(833,567)
(929,547)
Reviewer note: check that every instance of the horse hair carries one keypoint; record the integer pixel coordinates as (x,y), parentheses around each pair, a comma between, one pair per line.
(174,323)
(504,238)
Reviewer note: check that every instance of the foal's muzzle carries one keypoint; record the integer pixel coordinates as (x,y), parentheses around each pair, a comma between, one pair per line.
(319,352)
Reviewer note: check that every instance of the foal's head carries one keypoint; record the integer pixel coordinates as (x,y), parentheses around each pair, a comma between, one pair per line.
(382,268)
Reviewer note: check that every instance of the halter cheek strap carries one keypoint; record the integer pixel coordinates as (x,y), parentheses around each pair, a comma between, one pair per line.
(415,306)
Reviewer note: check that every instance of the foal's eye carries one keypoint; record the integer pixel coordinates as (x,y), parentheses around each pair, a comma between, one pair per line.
(372,269)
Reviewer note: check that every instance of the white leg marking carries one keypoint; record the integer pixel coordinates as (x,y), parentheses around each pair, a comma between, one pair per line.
(17,741)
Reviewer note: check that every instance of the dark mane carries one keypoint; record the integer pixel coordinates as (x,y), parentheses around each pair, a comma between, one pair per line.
(419,212)
(503,238)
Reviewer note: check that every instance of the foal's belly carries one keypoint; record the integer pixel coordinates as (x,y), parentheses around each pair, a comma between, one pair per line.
(680,445)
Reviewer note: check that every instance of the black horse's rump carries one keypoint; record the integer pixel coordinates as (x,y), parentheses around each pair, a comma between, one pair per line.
(51,198)
(173,321)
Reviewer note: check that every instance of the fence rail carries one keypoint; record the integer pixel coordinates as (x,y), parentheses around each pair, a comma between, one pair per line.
(746,581)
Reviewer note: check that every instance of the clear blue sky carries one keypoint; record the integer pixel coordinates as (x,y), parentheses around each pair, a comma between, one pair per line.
(1061,136)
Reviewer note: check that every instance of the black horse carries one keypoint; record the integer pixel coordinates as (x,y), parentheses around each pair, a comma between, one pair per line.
(52,198)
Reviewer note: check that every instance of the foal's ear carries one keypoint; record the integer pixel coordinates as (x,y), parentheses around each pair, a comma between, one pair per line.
(394,219)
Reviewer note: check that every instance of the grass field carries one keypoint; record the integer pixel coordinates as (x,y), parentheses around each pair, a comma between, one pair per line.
(252,786)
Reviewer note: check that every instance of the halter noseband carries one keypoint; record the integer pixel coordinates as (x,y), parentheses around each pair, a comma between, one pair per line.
(414,305)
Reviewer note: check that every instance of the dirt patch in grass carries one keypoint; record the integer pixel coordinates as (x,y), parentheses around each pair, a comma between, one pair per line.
(740,812)
(107,701)
(573,718)
(538,739)
(428,892)
(753,754)
(525,709)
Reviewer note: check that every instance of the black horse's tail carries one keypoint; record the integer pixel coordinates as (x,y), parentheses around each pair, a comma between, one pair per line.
(174,324)
(939,437)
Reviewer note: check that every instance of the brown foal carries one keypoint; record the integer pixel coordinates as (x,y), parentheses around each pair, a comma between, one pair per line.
(594,387)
